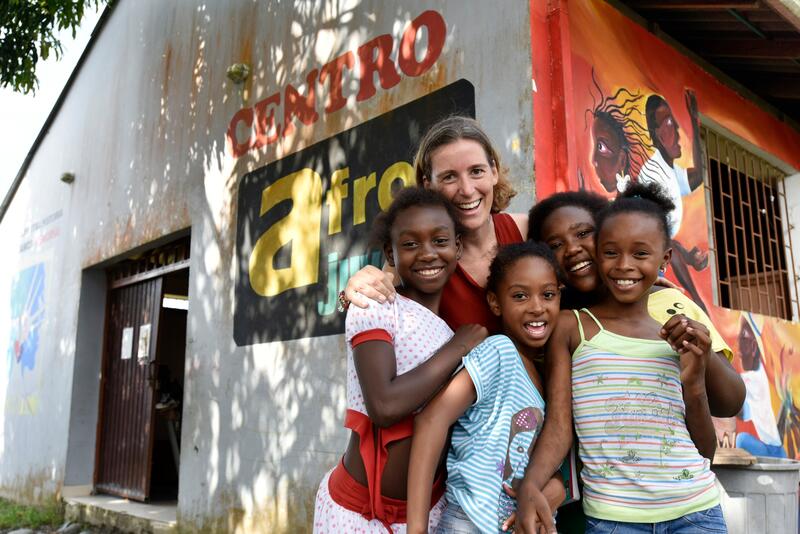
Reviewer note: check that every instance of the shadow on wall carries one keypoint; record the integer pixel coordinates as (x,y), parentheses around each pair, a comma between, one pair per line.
(261,423)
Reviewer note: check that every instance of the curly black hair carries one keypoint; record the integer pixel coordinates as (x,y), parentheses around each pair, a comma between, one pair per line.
(508,255)
(591,202)
(410,197)
(618,112)
(650,199)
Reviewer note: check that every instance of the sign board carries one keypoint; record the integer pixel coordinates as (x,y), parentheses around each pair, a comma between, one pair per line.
(304,221)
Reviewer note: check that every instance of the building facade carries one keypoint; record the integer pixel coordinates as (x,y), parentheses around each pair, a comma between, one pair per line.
(206,186)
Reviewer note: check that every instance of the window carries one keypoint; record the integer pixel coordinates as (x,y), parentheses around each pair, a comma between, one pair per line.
(750,238)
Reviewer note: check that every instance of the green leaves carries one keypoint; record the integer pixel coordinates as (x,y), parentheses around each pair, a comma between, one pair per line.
(28,32)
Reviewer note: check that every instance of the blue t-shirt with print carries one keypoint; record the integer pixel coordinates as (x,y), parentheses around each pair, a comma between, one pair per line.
(493,439)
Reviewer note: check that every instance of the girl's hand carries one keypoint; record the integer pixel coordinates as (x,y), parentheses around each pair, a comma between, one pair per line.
(468,336)
(692,341)
(372,283)
(538,520)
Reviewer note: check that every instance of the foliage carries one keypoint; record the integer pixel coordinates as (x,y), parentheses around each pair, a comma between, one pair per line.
(28,32)
(17,515)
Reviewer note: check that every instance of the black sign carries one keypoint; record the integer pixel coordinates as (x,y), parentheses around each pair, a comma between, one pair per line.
(304,221)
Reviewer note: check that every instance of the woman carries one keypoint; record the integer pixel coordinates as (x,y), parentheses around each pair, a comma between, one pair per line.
(456,158)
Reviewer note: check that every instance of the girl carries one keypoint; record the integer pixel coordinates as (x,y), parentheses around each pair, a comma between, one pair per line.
(640,407)
(495,402)
(392,369)
(566,222)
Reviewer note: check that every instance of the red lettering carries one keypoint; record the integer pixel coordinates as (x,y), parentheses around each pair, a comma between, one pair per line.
(437,30)
(295,105)
(334,69)
(244,115)
(265,121)
(372,62)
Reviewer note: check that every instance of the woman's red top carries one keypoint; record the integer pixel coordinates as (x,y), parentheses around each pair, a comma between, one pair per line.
(463,300)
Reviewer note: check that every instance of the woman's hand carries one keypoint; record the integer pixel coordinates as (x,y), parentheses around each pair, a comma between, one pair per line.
(370,282)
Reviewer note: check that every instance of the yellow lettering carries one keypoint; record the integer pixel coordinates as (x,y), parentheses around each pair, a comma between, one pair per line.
(361,186)
(334,198)
(399,171)
(300,228)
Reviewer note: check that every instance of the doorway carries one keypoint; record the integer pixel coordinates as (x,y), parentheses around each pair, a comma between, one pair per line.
(141,391)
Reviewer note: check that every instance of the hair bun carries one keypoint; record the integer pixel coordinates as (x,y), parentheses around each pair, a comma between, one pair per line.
(650,191)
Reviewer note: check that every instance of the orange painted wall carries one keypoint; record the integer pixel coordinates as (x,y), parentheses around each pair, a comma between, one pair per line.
(585,50)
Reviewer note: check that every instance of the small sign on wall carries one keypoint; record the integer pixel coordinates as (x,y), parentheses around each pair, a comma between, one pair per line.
(143,354)
(127,343)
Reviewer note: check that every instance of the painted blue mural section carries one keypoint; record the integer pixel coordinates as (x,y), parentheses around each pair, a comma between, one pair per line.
(27,315)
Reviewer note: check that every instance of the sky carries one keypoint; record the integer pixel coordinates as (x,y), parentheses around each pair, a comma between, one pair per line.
(22,116)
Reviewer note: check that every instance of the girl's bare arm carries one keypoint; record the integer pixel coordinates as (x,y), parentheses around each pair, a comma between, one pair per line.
(390,397)
(430,436)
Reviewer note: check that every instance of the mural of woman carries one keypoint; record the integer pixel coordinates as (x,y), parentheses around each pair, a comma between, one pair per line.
(761,437)
(620,145)
(674,179)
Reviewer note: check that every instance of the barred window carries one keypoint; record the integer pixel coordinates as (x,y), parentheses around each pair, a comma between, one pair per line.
(750,234)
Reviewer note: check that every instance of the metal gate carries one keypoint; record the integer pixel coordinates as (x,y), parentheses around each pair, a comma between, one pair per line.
(126,435)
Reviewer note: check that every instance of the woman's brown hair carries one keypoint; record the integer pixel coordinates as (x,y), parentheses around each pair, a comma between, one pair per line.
(452,129)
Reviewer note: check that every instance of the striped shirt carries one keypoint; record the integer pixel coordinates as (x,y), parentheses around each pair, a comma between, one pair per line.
(493,439)
(640,464)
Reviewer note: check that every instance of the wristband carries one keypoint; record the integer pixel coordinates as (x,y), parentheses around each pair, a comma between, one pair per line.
(342,303)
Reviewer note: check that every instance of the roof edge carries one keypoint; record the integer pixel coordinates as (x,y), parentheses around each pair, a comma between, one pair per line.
(98,29)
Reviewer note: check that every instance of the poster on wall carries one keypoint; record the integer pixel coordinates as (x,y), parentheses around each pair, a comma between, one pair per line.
(304,221)
(127,343)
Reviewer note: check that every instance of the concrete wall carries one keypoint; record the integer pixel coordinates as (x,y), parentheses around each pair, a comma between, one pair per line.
(144,129)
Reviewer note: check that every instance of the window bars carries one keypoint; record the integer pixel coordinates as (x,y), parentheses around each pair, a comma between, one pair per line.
(750,236)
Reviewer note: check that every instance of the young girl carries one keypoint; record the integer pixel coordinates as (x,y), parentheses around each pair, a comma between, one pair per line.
(495,403)
(566,222)
(392,369)
(640,407)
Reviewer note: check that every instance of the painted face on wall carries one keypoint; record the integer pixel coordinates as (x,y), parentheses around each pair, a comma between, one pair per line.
(748,347)
(608,156)
(667,138)
(463,174)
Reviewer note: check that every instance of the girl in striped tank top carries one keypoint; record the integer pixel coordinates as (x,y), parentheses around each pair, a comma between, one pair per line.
(640,407)
(494,405)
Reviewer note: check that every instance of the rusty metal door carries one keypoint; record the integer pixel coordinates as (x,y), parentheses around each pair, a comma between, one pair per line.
(128,406)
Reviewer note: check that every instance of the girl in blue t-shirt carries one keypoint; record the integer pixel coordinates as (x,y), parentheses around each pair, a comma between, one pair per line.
(495,402)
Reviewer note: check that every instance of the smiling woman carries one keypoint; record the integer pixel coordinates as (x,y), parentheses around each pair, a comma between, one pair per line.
(456,158)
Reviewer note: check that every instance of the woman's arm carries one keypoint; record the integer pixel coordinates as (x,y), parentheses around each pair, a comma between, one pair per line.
(430,435)
(390,397)
(371,283)
(556,437)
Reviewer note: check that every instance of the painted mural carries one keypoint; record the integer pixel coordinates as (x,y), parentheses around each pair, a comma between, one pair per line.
(27,315)
(633,113)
